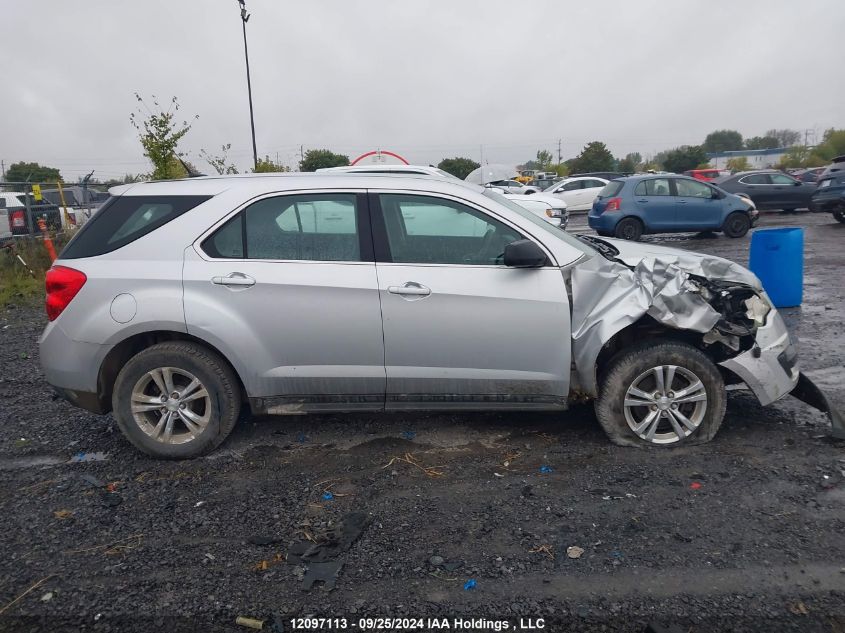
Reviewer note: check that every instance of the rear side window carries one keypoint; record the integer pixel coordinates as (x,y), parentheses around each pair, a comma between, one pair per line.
(611,189)
(122,220)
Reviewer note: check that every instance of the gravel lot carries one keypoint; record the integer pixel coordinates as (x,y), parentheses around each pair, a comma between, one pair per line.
(745,533)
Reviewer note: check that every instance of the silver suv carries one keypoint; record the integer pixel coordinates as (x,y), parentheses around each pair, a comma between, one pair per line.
(182,303)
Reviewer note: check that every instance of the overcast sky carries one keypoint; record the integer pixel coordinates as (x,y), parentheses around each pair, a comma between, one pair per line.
(425,78)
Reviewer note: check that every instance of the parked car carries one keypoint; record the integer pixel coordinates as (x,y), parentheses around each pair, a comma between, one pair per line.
(577,192)
(770,189)
(551,209)
(836,165)
(513,186)
(14,202)
(544,183)
(808,175)
(180,301)
(630,207)
(706,175)
(830,195)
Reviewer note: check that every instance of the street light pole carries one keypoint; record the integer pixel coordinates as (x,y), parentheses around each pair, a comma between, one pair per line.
(245,19)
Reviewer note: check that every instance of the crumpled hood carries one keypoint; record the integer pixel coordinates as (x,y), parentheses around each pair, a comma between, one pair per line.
(709,266)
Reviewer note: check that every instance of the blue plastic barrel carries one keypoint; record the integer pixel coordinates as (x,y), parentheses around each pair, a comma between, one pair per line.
(777,258)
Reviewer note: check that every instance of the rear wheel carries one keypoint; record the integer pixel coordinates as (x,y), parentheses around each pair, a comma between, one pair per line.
(839,214)
(176,400)
(629,229)
(736,224)
(664,394)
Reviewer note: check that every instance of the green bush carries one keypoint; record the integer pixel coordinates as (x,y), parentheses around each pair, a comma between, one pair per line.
(16,282)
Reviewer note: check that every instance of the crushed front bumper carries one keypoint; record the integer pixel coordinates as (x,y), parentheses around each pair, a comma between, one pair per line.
(769,368)
(770,371)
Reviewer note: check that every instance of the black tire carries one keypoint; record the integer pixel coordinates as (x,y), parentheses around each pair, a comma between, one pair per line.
(629,229)
(631,366)
(736,224)
(839,214)
(214,375)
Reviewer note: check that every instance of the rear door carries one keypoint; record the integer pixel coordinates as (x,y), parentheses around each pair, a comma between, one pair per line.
(760,190)
(697,209)
(288,286)
(461,330)
(656,204)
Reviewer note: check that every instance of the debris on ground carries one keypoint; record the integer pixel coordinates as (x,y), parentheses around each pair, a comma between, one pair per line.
(695,485)
(409,435)
(111,499)
(25,593)
(327,496)
(92,480)
(470,584)
(546,469)
(115,547)
(436,561)
(250,623)
(321,550)
(798,608)
(88,457)
(62,514)
(574,551)
(47,597)
(408,458)
(548,550)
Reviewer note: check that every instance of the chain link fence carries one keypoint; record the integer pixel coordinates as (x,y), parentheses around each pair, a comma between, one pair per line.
(62,207)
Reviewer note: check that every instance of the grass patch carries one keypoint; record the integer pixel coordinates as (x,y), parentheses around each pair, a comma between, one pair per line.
(16,282)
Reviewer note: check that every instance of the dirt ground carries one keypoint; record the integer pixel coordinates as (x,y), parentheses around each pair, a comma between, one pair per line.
(746,533)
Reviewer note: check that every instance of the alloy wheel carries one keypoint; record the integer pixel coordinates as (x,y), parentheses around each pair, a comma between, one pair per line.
(171,405)
(665,404)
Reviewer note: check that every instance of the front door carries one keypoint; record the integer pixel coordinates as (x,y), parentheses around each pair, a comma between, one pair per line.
(461,330)
(287,289)
(697,209)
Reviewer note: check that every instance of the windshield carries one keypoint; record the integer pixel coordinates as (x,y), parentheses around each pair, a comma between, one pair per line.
(548,228)
(553,186)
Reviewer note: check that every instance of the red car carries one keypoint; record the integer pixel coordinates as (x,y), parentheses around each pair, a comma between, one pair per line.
(703,174)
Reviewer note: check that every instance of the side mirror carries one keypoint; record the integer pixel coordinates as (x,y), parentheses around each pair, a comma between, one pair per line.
(524,254)
(797,183)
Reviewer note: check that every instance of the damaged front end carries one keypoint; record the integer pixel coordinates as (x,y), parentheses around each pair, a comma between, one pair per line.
(721,302)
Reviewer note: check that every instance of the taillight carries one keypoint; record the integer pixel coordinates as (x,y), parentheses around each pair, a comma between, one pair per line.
(614,204)
(17,219)
(62,285)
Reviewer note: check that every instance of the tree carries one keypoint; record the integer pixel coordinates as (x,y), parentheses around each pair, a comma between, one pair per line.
(220,163)
(315,159)
(544,159)
(630,163)
(685,157)
(723,141)
(32,172)
(459,167)
(594,157)
(267,166)
(785,138)
(561,169)
(762,142)
(160,134)
(739,163)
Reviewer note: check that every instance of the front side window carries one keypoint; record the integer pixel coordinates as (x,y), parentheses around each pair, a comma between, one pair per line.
(692,189)
(310,227)
(781,179)
(653,187)
(429,230)
(573,186)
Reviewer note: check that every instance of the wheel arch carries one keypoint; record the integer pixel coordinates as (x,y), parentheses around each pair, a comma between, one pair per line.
(123,351)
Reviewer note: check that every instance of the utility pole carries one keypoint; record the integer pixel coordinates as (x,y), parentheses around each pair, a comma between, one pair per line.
(245,19)
(2,171)
(559,154)
(301,153)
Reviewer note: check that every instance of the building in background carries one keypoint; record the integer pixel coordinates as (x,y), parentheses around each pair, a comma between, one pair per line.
(757,158)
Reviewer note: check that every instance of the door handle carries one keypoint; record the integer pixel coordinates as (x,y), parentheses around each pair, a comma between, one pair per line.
(642,200)
(410,288)
(234,279)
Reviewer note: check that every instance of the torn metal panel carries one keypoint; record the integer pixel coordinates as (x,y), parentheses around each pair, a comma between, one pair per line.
(807,391)
(608,295)
(768,368)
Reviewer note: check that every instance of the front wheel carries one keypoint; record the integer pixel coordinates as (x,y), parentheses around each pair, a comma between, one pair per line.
(176,400)
(839,214)
(629,229)
(736,224)
(658,395)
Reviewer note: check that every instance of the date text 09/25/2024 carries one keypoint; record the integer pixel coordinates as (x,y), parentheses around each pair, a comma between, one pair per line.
(386,625)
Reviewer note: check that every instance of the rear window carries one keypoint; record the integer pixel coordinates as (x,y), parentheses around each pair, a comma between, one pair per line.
(611,189)
(122,220)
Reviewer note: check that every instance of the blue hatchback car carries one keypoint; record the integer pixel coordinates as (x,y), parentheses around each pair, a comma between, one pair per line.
(665,203)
